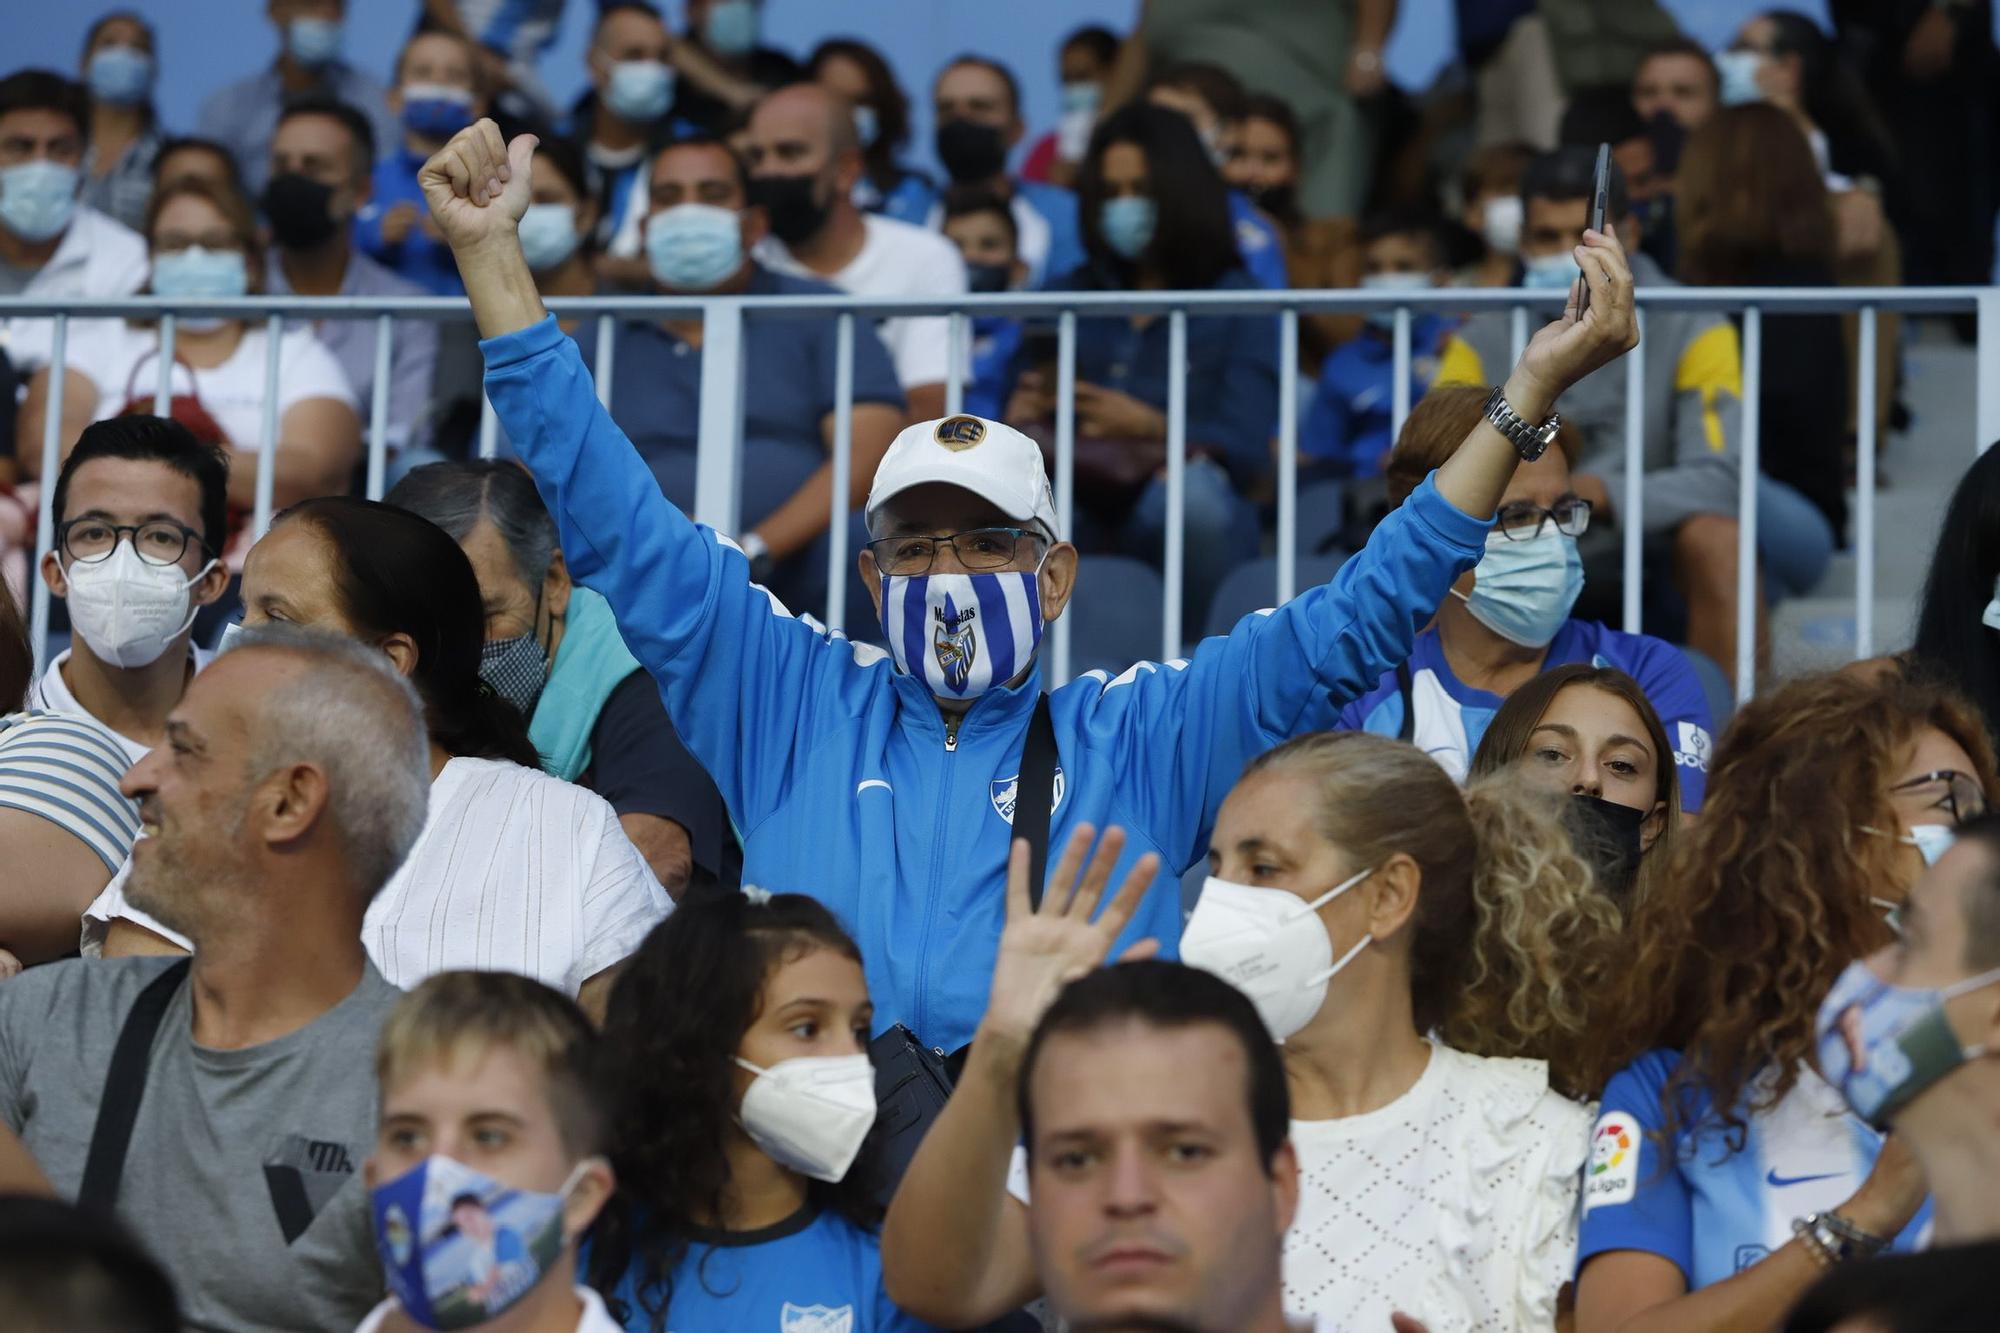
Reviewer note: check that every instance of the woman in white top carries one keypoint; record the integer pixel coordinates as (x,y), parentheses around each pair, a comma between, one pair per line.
(514,870)
(1386,925)
(204,244)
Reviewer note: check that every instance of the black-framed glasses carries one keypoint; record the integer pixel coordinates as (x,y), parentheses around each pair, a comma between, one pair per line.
(1958,793)
(978,548)
(1522,521)
(160,541)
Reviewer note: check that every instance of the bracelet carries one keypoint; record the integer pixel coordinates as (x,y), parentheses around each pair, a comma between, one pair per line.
(1831,1239)
(1803,1228)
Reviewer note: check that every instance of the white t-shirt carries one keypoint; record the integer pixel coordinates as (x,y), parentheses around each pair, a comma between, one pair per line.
(896,259)
(1455,1204)
(596,1319)
(123,362)
(51,694)
(515,871)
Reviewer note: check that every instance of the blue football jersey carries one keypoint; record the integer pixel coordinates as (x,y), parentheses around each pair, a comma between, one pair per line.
(1711,1211)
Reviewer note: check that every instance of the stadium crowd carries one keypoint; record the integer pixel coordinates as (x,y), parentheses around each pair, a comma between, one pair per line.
(505,904)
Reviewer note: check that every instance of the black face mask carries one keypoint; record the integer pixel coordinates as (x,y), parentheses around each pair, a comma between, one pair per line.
(299,211)
(1277,200)
(988,277)
(1608,836)
(971,152)
(790,202)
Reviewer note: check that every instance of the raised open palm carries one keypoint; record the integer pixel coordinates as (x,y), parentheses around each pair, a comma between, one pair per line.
(478,185)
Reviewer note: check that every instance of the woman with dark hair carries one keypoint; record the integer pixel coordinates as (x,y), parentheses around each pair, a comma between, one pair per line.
(1725,1172)
(514,870)
(119,69)
(858,72)
(1958,625)
(1156,218)
(1590,732)
(1783,57)
(739,1096)
(17,656)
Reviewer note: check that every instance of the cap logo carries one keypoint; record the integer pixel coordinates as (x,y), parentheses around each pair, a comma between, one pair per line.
(960,433)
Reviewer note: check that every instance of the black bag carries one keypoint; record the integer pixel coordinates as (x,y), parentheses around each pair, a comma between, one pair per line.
(124,1087)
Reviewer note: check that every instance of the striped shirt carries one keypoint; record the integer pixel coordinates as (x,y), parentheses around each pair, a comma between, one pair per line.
(66,770)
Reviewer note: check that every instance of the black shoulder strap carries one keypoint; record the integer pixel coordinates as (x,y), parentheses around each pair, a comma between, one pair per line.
(1407,687)
(124,1085)
(1035,797)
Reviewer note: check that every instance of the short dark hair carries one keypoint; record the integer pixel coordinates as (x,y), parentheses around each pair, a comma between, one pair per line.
(1004,74)
(1276,110)
(45,90)
(195,143)
(605,12)
(1167,995)
(1194,243)
(1422,223)
(1100,41)
(63,1267)
(1948,1290)
(709,141)
(1600,115)
(1982,904)
(350,117)
(162,440)
(962,201)
(567,156)
(116,16)
(1213,84)
(1682,46)
(1570,172)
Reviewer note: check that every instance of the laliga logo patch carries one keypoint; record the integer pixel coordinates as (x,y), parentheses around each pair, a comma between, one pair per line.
(1613,1174)
(955,642)
(816,1319)
(1006,793)
(959,433)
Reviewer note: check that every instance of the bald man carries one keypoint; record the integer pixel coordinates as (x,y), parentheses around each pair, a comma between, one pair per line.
(804,161)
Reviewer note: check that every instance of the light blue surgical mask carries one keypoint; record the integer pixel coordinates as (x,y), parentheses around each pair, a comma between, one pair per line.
(963,634)
(1128,223)
(1737,72)
(1385,320)
(1932,841)
(1884,1045)
(731,29)
(120,75)
(548,235)
(640,89)
(313,42)
(693,247)
(200,272)
(867,125)
(37,199)
(1550,272)
(1524,590)
(1081,98)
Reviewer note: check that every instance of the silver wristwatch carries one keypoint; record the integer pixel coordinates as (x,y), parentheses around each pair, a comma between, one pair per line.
(1832,1239)
(1530,441)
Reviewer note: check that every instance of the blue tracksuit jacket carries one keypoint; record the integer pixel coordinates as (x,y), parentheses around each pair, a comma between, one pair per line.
(839,770)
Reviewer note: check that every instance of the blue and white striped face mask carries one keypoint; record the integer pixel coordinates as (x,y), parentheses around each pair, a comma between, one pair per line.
(963,634)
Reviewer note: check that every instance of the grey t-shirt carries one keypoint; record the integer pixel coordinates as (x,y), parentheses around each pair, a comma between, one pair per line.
(244,1171)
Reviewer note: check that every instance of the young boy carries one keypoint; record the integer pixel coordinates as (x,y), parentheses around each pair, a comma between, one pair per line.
(437,94)
(488,1163)
(1348,430)
(982,226)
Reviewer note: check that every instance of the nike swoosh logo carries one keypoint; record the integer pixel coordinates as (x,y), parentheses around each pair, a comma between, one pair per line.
(864,785)
(1777,1181)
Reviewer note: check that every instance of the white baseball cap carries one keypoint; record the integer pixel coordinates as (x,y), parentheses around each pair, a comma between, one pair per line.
(992,460)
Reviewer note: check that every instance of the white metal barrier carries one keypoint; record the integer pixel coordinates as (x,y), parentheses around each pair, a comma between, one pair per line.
(719,457)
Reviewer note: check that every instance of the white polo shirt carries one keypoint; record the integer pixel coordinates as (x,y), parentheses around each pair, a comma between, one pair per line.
(51,694)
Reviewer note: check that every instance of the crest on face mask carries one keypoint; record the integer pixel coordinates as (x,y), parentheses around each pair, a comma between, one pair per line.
(955,642)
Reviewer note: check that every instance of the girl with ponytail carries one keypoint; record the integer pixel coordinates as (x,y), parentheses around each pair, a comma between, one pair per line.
(1420,953)
(515,870)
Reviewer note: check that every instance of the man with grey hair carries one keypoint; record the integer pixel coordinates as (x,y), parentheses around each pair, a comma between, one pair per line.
(224,1103)
(554,652)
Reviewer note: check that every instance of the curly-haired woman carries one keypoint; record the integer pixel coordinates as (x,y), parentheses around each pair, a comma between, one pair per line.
(1400,938)
(736,1076)
(1826,800)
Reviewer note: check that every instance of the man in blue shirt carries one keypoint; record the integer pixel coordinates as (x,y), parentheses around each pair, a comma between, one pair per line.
(699,231)
(877,786)
(978,106)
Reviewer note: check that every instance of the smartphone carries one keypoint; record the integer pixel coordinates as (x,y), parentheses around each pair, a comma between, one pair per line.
(1600,196)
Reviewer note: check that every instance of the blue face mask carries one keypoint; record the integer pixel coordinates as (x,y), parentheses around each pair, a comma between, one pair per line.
(1737,72)
(120,75)
(1550,272)
(436,110)
(197,272)
(640,90)
(962,634)
(1128,223)
(37,199)
(1524,590)
(548,235)
(693,247)
(313,42)
(458,1247)
(1081,98)
(1883,1045)
(1385,320)
(731,29)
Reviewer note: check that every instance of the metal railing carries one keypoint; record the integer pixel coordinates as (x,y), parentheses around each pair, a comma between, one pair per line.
(723,379)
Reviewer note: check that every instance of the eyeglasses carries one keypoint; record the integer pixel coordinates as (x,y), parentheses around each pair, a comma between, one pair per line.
(159,542)
(1956,792)
(980,548)
(1522,521)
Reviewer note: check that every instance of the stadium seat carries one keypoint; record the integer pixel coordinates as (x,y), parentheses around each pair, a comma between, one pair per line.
(1114,615)
(1254,586)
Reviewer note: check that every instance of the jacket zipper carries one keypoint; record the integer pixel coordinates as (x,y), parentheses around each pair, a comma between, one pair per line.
(951,732)
(930,898)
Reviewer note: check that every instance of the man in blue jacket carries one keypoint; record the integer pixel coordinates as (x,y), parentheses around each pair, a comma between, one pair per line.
(884,785)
